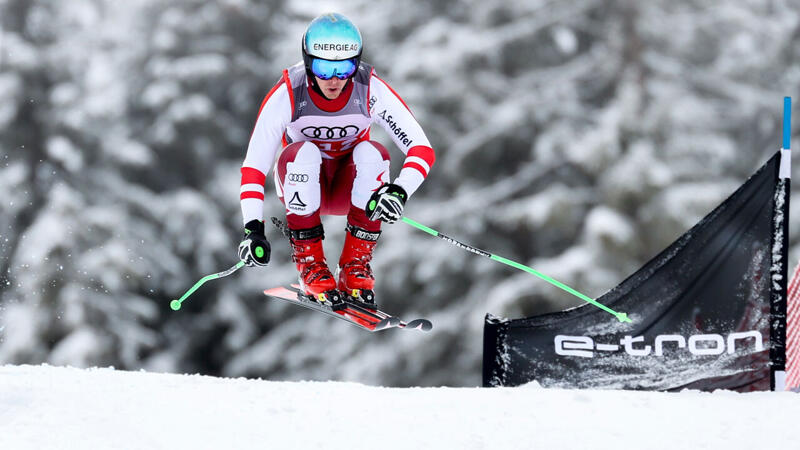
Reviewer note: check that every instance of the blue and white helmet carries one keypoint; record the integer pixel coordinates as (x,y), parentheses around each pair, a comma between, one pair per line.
(332,47)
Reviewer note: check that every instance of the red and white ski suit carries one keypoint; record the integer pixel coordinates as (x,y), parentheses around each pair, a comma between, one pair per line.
(328,164)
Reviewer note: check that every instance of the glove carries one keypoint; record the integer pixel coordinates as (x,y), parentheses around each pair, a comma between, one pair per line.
(387,203)
(254,250)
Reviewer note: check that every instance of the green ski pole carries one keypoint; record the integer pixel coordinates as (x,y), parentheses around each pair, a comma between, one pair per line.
(621,316)
(176,304)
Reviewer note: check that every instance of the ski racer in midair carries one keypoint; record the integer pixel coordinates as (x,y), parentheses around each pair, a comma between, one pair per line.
(314,127)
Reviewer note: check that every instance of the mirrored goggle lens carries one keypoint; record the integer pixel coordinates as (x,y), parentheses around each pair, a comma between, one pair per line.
(326,70)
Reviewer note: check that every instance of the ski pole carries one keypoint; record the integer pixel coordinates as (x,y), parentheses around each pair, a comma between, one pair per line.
(621,316)
(176,304)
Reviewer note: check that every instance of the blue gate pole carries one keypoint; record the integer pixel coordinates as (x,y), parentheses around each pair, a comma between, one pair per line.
(787,122)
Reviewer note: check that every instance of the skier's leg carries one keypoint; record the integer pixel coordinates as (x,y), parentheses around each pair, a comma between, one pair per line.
(371,162)
(297,179)
(337,183)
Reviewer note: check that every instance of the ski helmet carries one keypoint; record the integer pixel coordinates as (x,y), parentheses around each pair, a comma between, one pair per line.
(331,47)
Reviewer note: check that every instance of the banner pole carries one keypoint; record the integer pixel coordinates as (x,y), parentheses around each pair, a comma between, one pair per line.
(784,327)
(785,171)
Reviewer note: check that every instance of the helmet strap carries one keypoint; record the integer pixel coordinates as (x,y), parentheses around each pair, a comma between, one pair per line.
(312,81)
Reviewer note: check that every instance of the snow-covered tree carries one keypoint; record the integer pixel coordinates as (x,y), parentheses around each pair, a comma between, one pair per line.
(578,137)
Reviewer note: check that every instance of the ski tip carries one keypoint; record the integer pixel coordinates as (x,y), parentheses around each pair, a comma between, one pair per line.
(389,322)
(175,305)
(420,324)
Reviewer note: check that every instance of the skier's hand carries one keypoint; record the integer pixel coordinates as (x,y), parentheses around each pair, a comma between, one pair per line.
(387,203)
(254,250)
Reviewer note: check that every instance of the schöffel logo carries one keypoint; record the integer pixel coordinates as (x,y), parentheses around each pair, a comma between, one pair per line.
(401,135)
(336,47)
(698,344)
(297,177)
(330,132)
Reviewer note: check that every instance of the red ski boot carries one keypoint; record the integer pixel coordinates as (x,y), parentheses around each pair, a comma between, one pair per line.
(316,280)
(354,272)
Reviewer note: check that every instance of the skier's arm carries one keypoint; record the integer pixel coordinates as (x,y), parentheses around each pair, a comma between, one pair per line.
(274,116)
(389,110)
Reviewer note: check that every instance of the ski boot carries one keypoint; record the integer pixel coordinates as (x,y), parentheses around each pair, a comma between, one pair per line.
(354,272)
(316,280)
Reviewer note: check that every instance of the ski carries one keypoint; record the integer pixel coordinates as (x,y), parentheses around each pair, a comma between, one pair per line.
(344,309)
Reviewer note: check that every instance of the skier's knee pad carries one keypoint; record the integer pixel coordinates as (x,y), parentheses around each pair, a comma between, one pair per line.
(301,153)
(298,176)
(371,160)
(370,152)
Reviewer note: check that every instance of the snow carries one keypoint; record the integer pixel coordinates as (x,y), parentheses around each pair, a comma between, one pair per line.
(605,225)
(62,150)
(776,270)
(19,331)
(565,39)
(9,87)
(63,408)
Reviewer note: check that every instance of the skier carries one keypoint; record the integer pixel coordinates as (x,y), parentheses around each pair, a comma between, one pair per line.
(320,113)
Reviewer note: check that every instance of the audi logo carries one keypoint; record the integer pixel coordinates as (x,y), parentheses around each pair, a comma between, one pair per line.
(297,177)
(330,132)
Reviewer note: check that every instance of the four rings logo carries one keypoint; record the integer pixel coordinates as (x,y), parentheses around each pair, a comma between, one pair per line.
(330,132)
(698,344)
(297,177)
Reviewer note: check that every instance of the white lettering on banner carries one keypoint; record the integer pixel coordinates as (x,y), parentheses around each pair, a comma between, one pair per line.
(574,346)
(628,341)
(717,349)
(698,344)
(669,338)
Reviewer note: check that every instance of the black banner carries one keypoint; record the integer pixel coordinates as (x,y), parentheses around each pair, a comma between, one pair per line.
(708,312)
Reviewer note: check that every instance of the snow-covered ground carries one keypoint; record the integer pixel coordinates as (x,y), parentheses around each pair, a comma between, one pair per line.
(45,407)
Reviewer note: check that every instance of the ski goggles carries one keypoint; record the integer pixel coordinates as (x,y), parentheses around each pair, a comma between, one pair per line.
(325,69)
